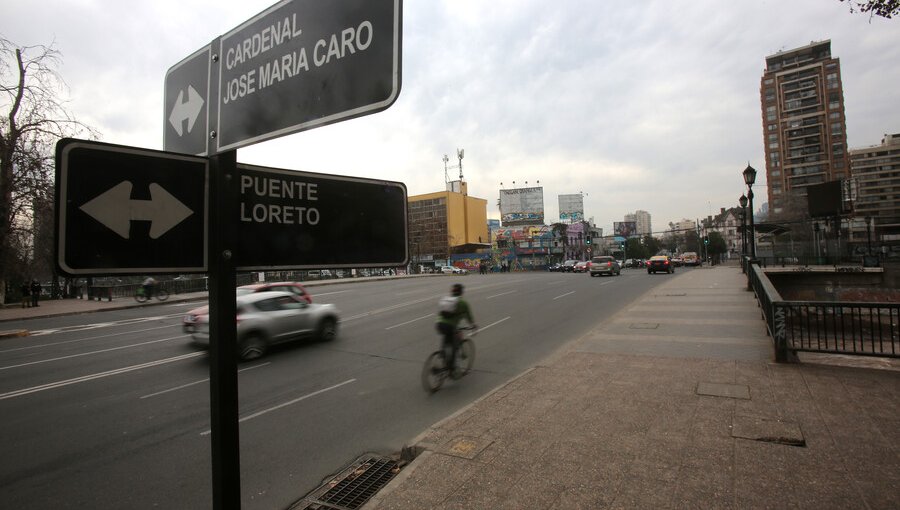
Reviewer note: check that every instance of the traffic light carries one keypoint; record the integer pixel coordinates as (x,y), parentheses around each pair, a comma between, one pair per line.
(706,240)
(588,240)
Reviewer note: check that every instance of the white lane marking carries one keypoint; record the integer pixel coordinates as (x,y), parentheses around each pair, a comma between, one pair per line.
(329,293)
(285,404)
(501,294)
(201,381)
(93,352)
(389,308)
(91,377)
(409,322)
(83,327)
(564,295)
(30,347)
(493,324)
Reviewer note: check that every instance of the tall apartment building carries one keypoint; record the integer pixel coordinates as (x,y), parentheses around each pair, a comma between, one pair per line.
(446,222)
(642,222)
(804,127)
(876,172)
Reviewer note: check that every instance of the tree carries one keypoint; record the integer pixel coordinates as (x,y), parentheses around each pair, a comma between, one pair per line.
(34,120)
(717,245)
(884,8)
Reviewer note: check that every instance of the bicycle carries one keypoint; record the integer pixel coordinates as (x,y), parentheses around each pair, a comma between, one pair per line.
(436,370)
(159,293)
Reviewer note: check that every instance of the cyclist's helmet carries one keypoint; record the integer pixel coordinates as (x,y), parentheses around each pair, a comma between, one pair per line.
(457,289)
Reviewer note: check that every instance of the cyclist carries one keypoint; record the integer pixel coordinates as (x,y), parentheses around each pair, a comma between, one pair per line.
(149,285)
(453,309)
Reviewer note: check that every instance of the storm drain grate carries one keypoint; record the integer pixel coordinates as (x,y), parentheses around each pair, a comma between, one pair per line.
(354,486)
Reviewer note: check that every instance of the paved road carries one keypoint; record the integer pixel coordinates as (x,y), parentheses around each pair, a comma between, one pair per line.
(112,410)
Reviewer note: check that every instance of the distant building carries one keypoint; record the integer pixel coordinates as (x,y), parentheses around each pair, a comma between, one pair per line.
(728,224)
(804,128)
(683,226)
(876,179)
(642,222)
(444,223)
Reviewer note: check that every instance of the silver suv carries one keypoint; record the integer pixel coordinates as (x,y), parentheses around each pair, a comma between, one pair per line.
(269,318)
(605,265)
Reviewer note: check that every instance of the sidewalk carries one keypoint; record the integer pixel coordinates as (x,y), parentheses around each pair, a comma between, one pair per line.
(53,307)
(672,403)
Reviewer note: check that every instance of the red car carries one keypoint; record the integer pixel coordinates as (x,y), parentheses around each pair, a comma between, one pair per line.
(189,322)
(582,267)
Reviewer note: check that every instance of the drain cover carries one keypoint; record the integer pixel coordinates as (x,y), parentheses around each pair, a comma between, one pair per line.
(354,486)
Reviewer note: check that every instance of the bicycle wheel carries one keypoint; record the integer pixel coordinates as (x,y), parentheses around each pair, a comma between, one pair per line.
(465,358)
(162,294)
(434,373)
(140,297)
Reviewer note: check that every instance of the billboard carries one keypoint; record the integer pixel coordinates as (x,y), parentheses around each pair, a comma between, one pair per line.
(522,206)
(571,208)
(625,228)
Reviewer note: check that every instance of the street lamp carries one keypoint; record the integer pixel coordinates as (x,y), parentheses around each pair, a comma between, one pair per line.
(749,179)
(743,202)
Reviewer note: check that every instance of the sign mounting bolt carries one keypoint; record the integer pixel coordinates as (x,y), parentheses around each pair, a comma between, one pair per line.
(212,134)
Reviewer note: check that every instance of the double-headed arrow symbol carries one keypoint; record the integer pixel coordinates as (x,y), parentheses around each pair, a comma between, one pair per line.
(116,210)
(186,110)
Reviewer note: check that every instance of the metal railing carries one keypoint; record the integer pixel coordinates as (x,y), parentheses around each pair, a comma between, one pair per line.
(840,327)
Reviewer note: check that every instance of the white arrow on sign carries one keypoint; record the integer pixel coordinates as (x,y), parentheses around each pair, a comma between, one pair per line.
(186,110)
(116,210)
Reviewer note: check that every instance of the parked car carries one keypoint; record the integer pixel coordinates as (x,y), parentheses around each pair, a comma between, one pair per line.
(556,268)
(453,270)
(189,321)
(569,266)
(272,317)
(582,266)
(660,263)
(605,265)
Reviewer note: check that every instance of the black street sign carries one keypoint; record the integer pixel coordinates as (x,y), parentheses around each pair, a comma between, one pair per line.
(125,210)
(295,220)
(186,104)
(298,65)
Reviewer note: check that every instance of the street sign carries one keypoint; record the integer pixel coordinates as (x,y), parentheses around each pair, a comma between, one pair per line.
(125,210)
(298,65)
(296,220)
(186,104)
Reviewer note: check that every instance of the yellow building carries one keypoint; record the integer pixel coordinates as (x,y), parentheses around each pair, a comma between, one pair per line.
(446,222)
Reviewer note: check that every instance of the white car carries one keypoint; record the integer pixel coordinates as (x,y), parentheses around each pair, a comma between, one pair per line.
(272,317)
(453,270)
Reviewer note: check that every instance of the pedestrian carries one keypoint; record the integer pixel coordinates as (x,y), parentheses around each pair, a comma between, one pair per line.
(35,292)
(26,295)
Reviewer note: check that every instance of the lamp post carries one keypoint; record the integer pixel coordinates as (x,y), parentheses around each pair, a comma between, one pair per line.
(749,179)
(743,202)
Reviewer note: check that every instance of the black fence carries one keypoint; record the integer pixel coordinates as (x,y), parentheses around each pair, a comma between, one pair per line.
(864,329)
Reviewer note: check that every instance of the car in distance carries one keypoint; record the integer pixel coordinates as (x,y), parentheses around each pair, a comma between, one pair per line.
(582,266)
(453,270)
(272,317)
(555,268)
(605,265)
(660,263)
(189,321)
(677,261)
(569,266)
(690,258)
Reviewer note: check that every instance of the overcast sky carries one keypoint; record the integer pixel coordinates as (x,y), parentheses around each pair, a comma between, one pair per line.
(639,105)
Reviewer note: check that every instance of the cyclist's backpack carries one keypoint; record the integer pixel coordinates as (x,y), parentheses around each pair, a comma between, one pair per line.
(447,306)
